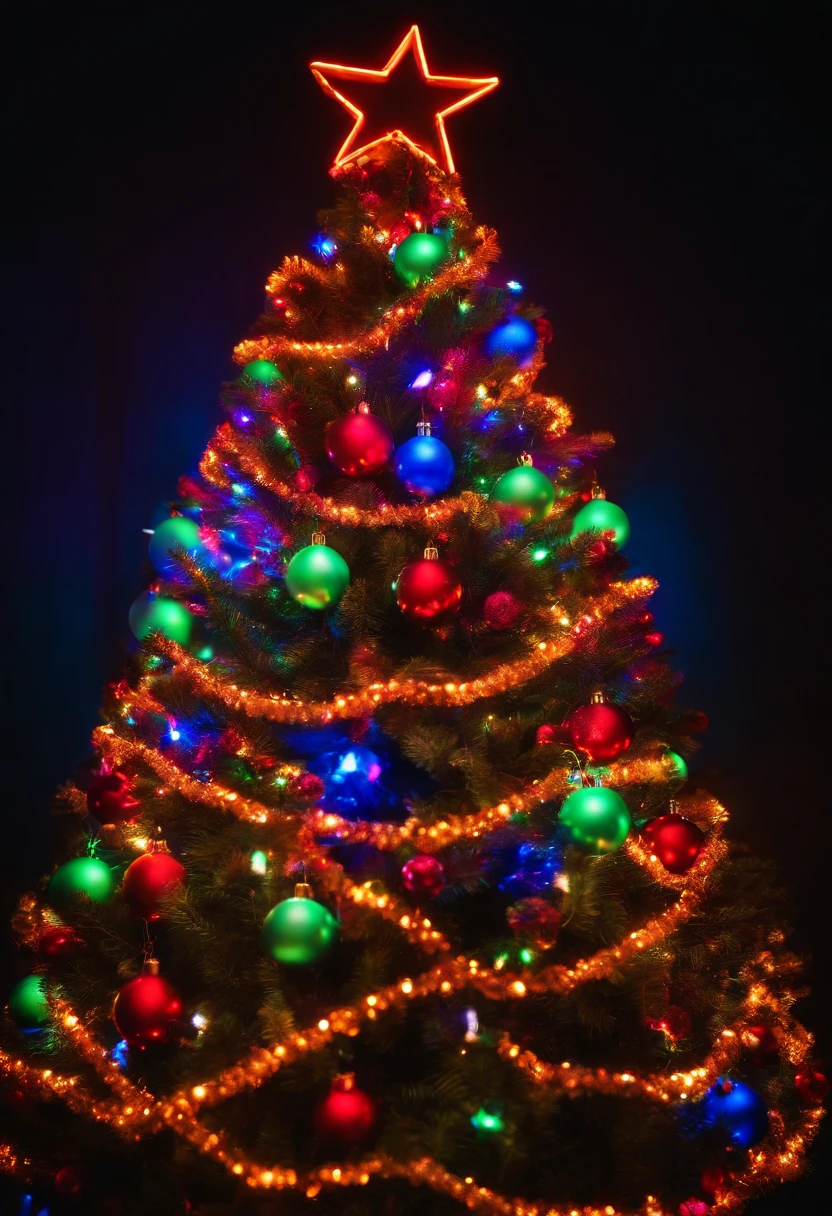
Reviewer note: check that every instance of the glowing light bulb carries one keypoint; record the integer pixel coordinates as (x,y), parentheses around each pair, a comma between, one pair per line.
(423,379)
(259,863)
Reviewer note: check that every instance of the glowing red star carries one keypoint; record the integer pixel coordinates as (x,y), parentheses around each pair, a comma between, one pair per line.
(400,109)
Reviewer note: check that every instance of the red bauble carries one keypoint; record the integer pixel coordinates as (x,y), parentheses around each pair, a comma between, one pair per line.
(359,444)
(307,786)
(145,1008)
(423,876)
(712,1179)
(694,1207)
(545,734)
(601,731)
(654,639)
(68,1182)
(148,879)
(501,609)
(346,1113)
(675,841)
(110,800)
(760,1042)
(674,1022)
(537,919)
(57,942)
(429,591)
(812,1087)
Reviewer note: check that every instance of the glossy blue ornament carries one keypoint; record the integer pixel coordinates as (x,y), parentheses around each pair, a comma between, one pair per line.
(737,1110)
(424,464)
(352,780)
(516,338)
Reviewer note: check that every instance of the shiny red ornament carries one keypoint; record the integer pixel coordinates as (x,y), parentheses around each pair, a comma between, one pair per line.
(346,1113)
(812,1087)
(713,1177)
(145,1008)
(423,876)
(674,1022)
(109,798)
(694,1207)
(601,731)
(148,880)
(545,734)
(57,942)
(674,840)
(307,786)
(760,1042)
(501,610)
(429,591)
(359,444)
(654,639)
(68,1182)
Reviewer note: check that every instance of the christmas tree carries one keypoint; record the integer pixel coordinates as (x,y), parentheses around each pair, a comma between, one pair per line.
(387,887)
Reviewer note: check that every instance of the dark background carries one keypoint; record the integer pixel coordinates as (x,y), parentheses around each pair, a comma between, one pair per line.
(654,171)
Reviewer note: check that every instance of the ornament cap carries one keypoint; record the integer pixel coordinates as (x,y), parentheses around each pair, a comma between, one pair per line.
(303,890)
(362,408)
(525,459)
(423,428)
(597,491)
(673,807)
(318,538)
(151,966)
(597,698)
(431,554)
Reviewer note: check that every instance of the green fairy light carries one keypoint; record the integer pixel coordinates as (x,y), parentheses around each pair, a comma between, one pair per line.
(526,955)
(464,305)
(280,780)
(487,1120)
(540,555)
(259,862)
(205,654)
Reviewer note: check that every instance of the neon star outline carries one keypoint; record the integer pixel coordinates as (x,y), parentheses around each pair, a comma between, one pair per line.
(479,87)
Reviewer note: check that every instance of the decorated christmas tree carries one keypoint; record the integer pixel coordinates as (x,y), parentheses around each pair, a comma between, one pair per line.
(387,887)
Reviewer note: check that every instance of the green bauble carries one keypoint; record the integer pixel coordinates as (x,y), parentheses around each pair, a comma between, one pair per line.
(677,765)
(418,256)
(527,491)
(178,532)
(28,1006)
(598,515)
(263,371)
(317,576)
(299,931)
(82,876)
(597,818)
(158,614)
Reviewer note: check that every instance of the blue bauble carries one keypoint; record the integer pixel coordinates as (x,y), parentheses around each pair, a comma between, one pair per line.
(515,337)
(352,779)
(424,465)
(178,532)
(737,1110)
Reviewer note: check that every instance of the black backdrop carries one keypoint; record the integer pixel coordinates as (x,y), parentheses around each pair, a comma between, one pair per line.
(654,172)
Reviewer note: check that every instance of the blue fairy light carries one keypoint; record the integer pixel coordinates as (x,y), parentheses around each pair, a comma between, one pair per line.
(514,286)
(324,246)
(120,1053)
(423,380)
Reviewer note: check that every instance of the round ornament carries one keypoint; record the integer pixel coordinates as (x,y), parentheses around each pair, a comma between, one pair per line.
(537,919)
(300,930)
(528,493)
(145,1008)
(264,372)
(812,1087)
(109,798)
(677,765)
(419,256)
(69,1182)
(307,786)
(429,591)
(674,840)
(317,576)
(713,1177)
(158,614)
(423,876)
(87,876)
(424,465)
(515,338)
(597,819)
(28,1006)
(545,734)
(501,610)
(694,1207)
(359,443)
(737,1110)
(148,879)
(760,1042)
(598,515)
(57,942)
(178,532)
(600,730)
(347,1113)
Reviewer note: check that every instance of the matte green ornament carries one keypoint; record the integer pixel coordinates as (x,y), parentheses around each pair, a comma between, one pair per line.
(418,256)
(158,614)
(678,766)
(597,818)
(263,371)
(300,930)
(28,1006)
(527,491)
(598,515)
(82,876)
(317,576)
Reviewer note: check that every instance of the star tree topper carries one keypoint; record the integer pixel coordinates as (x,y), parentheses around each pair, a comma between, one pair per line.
(402,100)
